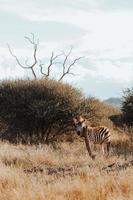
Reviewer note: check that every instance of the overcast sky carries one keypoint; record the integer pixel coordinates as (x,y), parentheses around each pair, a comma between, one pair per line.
(99,30)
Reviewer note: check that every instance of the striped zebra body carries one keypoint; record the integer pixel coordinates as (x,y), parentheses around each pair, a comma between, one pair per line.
(96,135)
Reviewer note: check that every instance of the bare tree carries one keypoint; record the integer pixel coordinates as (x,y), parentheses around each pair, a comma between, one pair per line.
(64,57)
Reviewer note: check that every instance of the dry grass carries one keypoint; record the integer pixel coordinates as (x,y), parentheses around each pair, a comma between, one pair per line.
(64,172)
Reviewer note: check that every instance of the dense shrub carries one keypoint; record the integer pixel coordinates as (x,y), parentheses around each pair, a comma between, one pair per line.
(37,108)
(127,107)
(41,109)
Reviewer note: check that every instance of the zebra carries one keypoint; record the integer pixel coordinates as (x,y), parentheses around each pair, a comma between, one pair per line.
(96,135)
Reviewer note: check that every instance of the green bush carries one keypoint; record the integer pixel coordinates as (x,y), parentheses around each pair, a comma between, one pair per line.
(37,108)
(127,107)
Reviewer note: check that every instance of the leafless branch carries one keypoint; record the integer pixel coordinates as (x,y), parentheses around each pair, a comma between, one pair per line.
(27,66)
(51,63)
(66,69)
(66,58)
(32,39)
(17,60)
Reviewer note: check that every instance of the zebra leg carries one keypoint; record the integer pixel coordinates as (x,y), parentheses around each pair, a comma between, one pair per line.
(87,142)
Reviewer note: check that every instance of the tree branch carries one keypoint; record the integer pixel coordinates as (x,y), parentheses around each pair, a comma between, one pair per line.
(17,60)
(66,58)
(51,63)
(27,66)
(67,69)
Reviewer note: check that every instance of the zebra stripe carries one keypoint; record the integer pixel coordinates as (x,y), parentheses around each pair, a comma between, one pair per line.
(98,135)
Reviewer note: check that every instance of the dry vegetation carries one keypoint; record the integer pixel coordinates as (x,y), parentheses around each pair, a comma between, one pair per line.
(65,171)
(62,170)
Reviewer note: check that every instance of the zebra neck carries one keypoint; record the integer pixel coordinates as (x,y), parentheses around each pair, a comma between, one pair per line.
(84,130)
(89,131)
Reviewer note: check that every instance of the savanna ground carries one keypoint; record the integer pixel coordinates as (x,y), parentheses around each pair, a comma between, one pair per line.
(64,171)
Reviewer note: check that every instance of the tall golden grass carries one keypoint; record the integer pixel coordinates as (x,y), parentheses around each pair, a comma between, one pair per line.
(65,172)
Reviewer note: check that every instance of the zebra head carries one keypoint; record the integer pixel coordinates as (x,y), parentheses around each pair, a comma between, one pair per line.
(79,123)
